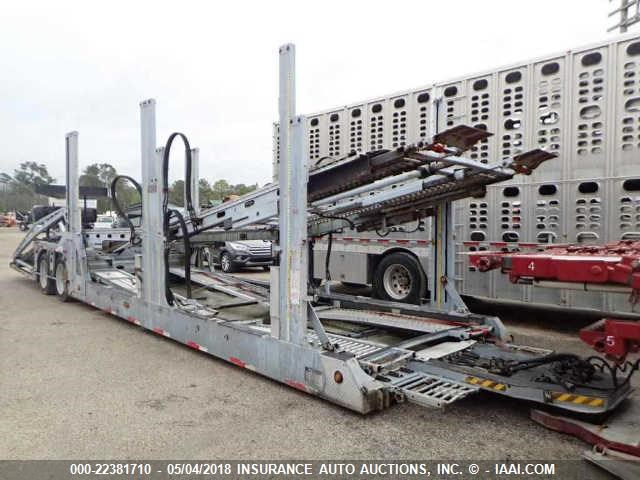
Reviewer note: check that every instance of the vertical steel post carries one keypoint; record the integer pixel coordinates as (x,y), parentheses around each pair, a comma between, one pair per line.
(438,261)
(195,179)
(443,291)
(74,218)
(292,281)
(153,275)
(73,245)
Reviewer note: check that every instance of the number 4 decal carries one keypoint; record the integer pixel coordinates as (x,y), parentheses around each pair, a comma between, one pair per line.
(532,266)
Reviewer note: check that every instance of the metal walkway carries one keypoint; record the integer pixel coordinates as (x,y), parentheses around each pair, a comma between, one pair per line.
(385,319)
(424,389)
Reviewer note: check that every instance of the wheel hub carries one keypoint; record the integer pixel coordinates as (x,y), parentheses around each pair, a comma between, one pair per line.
(397,281)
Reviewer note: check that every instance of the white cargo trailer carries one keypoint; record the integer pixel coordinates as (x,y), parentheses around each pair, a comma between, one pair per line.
(582,104)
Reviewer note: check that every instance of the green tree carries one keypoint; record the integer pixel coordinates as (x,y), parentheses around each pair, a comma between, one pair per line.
(212,194)
(18,192)
(205,191)
(221,189)
(176,193)
(101,175)
(31,174)
(242,189)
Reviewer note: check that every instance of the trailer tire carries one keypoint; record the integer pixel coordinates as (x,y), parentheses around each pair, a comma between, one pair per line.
(47,285)
(226,264)
(23,227)
(399,278)
(62,281)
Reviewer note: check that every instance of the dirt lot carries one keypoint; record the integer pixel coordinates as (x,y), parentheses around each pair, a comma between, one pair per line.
(78,383)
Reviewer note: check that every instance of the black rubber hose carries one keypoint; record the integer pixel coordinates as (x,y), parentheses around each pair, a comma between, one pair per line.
(187,255)
(135,240)
(168,213)
(327,260)
(187,180)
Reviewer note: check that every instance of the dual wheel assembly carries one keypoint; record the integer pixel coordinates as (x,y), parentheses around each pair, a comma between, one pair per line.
(56,282)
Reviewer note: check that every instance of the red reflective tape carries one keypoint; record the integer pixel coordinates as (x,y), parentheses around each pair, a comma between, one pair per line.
(108,310)
(296,385)
(237,361)
(365,240)
(160,331)
(471,244)
(383,240)
(193,345)
(347,239)
(403,242)
(133,320)
(422,242)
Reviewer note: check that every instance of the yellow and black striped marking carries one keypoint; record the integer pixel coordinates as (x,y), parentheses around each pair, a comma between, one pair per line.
(577,399)
(481,382)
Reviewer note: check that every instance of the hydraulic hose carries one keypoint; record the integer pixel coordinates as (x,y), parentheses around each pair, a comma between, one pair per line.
(187,180)
(187,254)
(167,214)
(135,240)
(327,260)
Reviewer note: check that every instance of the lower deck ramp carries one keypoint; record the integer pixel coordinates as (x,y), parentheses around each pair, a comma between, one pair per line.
(385,319)
(117,278)
(226,284)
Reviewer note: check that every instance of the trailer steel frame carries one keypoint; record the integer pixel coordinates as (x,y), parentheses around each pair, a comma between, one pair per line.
(460,352)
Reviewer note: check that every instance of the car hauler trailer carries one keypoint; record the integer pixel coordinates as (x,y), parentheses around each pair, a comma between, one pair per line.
(582,104)
(434,356)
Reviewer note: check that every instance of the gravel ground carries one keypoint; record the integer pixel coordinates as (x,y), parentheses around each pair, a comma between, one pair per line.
(78,383)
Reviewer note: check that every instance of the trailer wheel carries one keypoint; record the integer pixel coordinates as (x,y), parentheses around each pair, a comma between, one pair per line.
(226,264)
(399,278)
(62,281)
(23,227)
(47,285)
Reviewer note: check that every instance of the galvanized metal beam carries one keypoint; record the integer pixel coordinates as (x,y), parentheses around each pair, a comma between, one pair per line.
(153,277)
(292,309)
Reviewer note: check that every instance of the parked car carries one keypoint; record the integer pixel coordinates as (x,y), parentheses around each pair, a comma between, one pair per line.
(231,256)
(104,221)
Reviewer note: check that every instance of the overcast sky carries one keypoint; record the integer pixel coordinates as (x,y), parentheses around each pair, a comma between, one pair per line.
(212,67)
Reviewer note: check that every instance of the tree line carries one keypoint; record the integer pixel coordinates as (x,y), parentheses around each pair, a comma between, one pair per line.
(17,191)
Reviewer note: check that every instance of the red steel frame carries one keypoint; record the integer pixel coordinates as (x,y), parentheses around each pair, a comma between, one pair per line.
(614,264)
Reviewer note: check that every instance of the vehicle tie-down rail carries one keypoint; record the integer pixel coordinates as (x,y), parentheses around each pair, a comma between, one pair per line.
(379,188)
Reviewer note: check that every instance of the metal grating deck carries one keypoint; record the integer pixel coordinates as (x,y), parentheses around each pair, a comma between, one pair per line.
(426,390)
